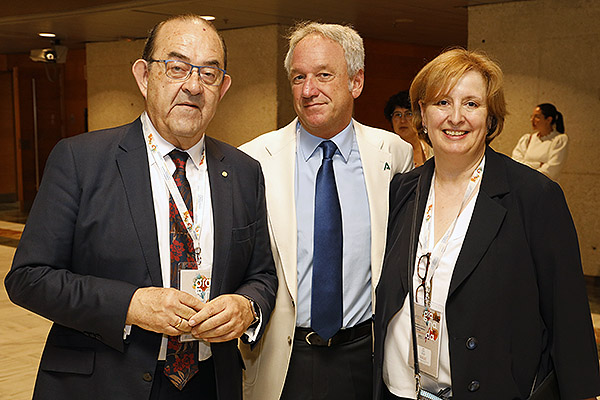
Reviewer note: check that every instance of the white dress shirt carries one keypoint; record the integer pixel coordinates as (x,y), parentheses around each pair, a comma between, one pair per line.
(197,176)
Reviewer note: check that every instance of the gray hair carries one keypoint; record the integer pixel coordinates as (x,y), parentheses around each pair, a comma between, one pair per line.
(344,35)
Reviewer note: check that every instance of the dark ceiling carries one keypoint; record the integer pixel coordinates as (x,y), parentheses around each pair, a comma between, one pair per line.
(426,22)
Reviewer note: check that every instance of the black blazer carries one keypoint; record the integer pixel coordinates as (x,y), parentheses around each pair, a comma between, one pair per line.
(517,303)
(91,241)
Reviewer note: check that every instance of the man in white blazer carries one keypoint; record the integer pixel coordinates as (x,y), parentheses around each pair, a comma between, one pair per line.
(328,255)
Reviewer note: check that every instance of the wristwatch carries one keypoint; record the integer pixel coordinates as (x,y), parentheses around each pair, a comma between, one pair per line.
(255,312)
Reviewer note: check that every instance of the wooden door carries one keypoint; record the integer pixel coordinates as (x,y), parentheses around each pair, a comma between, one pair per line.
(42,122)
(8,163)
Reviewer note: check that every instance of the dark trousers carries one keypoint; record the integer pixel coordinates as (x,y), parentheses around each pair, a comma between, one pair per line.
(201,387)
(389,396)
(343,372)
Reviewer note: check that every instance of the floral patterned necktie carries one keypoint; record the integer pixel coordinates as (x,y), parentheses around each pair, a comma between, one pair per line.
(181,363)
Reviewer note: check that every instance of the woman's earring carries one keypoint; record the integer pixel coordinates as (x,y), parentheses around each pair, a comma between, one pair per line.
(425,130)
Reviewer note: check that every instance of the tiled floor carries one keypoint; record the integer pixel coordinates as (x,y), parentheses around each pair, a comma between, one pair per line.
(23,334)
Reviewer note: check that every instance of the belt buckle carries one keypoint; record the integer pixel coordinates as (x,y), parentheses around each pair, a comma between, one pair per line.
(307,339)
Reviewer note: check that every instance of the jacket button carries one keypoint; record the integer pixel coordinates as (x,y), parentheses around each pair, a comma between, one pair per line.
(471,343)
(290,340)
(473,386)
(147,377)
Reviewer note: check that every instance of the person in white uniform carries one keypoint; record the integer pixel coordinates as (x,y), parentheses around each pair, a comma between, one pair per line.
(546,149)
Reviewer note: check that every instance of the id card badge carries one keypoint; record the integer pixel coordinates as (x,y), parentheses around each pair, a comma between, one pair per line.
(428,324)
(195,281)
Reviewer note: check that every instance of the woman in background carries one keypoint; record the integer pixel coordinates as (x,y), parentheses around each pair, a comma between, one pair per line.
(397,111)
(498,288)
(546,148)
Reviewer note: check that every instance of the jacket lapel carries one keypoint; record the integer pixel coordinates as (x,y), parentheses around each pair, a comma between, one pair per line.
(222,204)
(486,220)
(279,169)
(132,162)
(423,184)
(377,181)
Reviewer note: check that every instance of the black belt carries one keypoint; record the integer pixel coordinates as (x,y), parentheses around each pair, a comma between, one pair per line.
(342,336)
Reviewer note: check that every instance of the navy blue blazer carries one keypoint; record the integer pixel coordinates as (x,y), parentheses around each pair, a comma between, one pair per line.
(517,303)
(91,241)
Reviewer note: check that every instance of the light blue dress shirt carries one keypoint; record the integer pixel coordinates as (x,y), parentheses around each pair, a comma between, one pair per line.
(356,226)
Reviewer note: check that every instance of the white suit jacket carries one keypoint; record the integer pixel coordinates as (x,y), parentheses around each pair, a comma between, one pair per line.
(382,154)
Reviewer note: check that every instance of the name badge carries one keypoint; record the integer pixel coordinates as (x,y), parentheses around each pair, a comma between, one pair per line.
(428,326)
(195,281)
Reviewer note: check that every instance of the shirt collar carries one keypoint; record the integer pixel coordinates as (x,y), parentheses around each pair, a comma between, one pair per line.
(164,148)
(549,136)
(308,143)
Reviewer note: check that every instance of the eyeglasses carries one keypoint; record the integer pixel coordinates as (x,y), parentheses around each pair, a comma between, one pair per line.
(422,271)
(399,114)
(181,71)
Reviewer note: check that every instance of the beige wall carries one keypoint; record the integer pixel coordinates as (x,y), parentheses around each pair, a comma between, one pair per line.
(549,51)
(255,103)
(113,96)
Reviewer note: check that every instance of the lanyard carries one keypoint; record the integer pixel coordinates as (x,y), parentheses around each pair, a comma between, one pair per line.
(193,229)
(435,257)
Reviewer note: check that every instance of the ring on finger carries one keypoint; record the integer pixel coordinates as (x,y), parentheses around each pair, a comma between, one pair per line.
(178,323)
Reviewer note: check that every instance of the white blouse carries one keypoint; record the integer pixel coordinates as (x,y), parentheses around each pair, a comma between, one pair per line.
(398,371)
(547,154)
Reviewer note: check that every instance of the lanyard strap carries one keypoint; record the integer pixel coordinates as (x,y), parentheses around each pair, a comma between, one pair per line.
(428,225)
(411,265)
(412,255)
(194,229)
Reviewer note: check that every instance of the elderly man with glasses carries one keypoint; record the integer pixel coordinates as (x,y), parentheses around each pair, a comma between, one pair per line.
(147,245)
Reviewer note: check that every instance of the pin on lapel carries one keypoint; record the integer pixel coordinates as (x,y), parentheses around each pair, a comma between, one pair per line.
(224,173)
(386,166)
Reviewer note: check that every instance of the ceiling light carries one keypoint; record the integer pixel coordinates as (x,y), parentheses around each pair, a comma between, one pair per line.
(208,17)
(47,34)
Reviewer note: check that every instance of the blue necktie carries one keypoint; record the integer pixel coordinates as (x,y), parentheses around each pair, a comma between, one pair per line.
(326,301)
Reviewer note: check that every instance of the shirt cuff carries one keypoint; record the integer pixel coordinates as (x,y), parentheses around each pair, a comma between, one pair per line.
(126,331)
(252,332)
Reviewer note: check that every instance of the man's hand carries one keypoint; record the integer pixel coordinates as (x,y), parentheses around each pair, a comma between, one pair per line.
(224,318)
(162,310)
